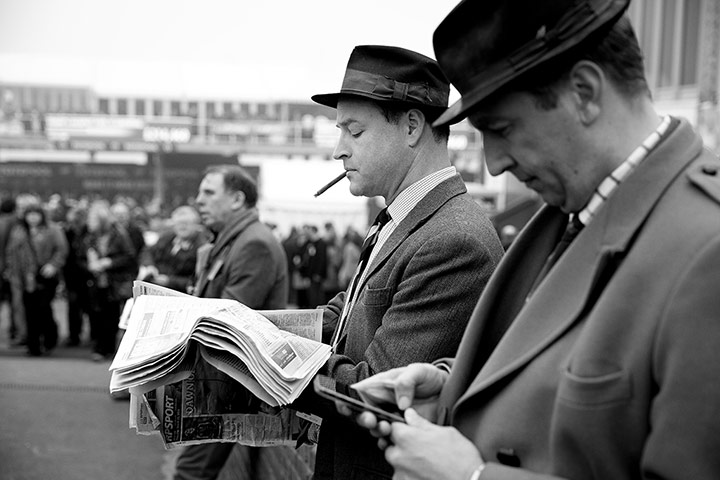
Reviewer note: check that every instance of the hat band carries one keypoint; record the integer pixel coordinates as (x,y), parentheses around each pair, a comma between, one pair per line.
(384,88)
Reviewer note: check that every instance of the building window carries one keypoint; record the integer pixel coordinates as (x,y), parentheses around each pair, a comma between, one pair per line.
(139,107)
(691,42)
(667,43)
(228,110)
(104,106)
(122,106)
(210,109)
(175,109)
(157,108)
(192,109)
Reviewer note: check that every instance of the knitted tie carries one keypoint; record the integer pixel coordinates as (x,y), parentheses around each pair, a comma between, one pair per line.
(370,240)
(573,228)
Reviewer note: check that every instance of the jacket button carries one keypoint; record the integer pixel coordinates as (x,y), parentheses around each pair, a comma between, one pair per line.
(709,170)
(507,456)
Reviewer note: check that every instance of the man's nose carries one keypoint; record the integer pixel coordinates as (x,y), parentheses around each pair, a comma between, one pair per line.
(341,151)
(496,159)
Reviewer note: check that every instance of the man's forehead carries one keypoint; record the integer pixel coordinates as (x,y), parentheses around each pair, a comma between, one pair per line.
(350,110)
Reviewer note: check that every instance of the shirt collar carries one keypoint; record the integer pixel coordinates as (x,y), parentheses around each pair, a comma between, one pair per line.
(411,196)
(611,182)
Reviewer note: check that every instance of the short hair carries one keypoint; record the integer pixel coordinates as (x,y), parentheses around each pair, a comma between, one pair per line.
(616,50)
(393,111)
(186,211)
(236,179)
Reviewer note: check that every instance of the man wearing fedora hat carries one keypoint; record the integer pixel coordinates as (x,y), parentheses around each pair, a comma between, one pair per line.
(426,259)
(609,363)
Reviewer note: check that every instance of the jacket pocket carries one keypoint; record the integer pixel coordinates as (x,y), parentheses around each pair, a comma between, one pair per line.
(374,297)
(595,391)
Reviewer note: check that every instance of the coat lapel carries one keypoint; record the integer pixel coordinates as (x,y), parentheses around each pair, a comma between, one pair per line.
(571,286)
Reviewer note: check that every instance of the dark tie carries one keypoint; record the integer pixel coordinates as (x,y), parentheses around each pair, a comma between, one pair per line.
(370,240)
(372,236)
(573,228)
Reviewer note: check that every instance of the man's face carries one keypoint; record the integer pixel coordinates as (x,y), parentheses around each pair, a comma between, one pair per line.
(373,151)
(545,149)
(184,225)
(214,203)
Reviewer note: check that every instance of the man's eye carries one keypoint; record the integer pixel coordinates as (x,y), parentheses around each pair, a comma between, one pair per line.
(356,134)
(497,130)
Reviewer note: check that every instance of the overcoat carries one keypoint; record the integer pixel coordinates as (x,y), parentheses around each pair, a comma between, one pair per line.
(412,306)
(245,263)
(611,369)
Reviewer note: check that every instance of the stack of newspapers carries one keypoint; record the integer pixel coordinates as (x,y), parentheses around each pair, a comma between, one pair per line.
(207,370)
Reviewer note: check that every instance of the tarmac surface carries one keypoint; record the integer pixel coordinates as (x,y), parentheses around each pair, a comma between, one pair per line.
(58,420)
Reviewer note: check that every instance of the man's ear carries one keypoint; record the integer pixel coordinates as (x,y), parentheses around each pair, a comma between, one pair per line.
(238,200)
(415,126)
(588,83)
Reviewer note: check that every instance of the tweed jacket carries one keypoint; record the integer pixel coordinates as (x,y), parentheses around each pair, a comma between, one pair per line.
(611,369)
(245,263)
(412,306)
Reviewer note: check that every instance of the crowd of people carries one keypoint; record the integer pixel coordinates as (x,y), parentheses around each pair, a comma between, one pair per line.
(87,251)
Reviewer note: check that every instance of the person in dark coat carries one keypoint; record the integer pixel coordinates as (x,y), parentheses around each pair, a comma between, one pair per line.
(244,262)
(593,352)
(173,257)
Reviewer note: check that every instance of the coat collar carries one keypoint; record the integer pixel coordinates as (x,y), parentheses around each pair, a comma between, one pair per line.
(544,319)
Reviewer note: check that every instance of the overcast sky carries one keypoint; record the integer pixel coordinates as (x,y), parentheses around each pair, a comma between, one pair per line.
(259,49)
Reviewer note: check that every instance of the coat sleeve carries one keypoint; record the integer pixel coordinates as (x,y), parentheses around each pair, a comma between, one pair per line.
(684,419)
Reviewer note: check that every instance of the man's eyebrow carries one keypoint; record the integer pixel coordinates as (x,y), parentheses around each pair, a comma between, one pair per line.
(347,122)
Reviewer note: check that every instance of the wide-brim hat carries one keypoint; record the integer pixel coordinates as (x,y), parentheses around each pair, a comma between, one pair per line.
(482,45)
(393,75)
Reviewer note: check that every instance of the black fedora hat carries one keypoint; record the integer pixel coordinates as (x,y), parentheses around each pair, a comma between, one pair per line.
(393,75)
(482,45)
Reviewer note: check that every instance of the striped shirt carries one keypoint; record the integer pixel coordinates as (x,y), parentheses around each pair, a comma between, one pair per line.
(611,182)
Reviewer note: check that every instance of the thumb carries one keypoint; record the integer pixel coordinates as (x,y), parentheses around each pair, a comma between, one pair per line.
(414,419)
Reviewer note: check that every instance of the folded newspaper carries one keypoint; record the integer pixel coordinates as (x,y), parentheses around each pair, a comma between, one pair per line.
(165,336)
(208,370)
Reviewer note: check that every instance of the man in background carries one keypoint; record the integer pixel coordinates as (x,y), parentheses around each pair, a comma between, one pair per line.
(173,257)
(244,262)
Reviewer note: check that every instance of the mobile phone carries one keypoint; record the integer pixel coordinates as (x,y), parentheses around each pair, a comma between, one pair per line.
(327,387)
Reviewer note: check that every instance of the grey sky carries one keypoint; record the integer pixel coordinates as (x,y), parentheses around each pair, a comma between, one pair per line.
(260,49)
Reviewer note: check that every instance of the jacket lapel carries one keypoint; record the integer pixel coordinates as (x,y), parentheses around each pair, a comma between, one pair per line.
(588,263)
(427,207)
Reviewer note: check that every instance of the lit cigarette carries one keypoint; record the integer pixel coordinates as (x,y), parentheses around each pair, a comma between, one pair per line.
(332,182)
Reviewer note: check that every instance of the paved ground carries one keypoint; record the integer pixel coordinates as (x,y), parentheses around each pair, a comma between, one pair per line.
(58,421)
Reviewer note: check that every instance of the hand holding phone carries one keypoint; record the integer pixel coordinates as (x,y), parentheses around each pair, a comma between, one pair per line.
(327,387)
